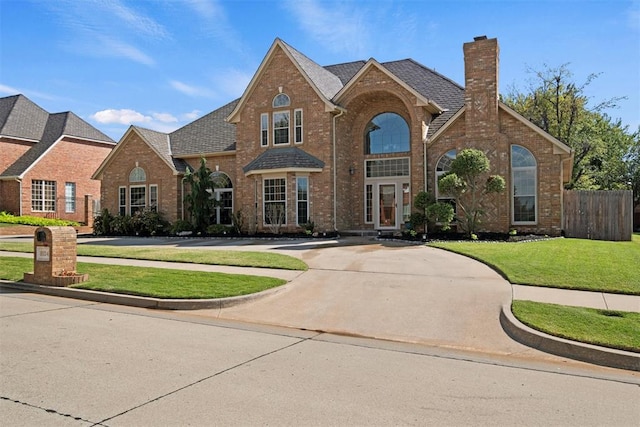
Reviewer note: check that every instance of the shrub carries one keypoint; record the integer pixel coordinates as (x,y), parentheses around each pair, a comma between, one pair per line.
(102,223)
(121,225)
(219,229)
(181,226)
(149,223)
(35,221)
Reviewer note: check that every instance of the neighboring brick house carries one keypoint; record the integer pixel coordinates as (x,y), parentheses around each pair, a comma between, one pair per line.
(347,146)
(46,161)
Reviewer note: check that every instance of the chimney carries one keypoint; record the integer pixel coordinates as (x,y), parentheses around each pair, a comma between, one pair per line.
(481,88)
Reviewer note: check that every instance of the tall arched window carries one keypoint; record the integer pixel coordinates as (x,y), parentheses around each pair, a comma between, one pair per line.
(223,195)
(386,133)
(523,185)
(442,167)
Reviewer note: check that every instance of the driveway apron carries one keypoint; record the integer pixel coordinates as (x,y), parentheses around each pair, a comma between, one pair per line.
(389,291)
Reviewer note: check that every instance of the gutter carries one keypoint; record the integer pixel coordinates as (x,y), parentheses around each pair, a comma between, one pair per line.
(335,172)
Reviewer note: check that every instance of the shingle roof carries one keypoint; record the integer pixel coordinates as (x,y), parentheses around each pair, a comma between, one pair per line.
(346,71)
(160,142)
(208,134)
(283,158)
(23,119)
(327,83)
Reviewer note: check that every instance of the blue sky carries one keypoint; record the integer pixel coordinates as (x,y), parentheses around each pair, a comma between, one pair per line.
(161,64)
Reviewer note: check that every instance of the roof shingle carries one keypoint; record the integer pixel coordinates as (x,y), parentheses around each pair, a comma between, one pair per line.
(284,158)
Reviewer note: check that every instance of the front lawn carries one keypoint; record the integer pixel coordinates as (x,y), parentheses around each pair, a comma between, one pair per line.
(590,265)
(152,282)
(211,257)
(614,329)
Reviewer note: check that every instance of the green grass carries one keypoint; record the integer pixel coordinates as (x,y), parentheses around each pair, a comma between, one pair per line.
(590,265)
(152,282)
(200,256)
(614,329)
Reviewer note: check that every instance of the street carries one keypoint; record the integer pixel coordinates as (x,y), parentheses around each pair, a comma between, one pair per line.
(68,362)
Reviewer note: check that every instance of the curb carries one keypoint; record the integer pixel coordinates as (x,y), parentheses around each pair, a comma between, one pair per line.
(138,301)
(603,356)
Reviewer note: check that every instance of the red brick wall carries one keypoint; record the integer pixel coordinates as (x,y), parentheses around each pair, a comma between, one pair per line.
(70,160)
(317,141)
(11,150)
(116,174)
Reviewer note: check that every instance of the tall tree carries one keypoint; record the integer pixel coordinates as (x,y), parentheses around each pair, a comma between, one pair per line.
(199,200)
(561,107)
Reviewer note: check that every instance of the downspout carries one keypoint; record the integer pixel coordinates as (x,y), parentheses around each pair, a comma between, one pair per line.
(425,141)
(20,192)
(335,174)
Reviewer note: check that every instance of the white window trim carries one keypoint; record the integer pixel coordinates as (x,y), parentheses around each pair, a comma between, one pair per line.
(264,202)
(264,116)
(120,206)
(288,128)
(72,199)
(366,221)
(296,126)
(308,202)
(43,191)
(535,186)
(157,205)
(146,197)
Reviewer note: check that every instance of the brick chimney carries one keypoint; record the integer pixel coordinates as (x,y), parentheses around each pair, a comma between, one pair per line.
(481,88)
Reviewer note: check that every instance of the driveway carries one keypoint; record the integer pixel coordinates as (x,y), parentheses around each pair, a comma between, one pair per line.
(389,291)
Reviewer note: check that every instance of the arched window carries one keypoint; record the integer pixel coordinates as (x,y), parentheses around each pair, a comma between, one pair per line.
(442,168)
(223,195)
(281,100)
(386,133)
(137,175)
(523,185)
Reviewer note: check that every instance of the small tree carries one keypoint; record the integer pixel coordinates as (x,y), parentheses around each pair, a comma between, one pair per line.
(429,210)
(199,200)
(467,184)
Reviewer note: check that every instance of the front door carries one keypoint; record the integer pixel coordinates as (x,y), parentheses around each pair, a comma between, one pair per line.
(387,206)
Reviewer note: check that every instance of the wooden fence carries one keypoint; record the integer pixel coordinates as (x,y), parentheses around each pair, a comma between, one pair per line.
(598,215)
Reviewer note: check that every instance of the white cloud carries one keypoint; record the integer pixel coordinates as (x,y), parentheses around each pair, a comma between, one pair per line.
(190,116)
(233,81)
(112,47)
(215,23)
(340,27)
(124,117)
(164,117)
(190,90)
(8,89)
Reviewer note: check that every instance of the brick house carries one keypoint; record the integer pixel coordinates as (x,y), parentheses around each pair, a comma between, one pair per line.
(347,146)
(46,161)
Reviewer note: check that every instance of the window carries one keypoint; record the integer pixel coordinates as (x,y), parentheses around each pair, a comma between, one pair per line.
(386,133)
(442,168)
(275,196)
(406,201)
(153,197)
(264,129)
(122,201)
(70,197)
(368,208)
(523,185)
(137,198)
(387,167)
(281,128)
(43,195)
(297,117)
(223,195)
(137,175)
(302,200)
(281,100)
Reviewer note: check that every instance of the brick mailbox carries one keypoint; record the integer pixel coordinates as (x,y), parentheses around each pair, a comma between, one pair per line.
(54,257)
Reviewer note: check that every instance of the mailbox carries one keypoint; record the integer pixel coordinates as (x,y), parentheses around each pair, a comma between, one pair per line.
(54,257)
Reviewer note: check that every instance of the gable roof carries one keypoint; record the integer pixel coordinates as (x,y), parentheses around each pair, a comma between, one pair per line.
(321,80)
(281,159)
(157,141)
(22,119)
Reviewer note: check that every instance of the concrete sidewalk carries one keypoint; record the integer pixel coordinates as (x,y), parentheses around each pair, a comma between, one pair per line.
(384,290)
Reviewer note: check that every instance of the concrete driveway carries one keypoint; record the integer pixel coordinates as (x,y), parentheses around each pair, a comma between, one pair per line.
(390,291)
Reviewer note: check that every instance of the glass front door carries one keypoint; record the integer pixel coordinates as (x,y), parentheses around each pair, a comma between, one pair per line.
(387,202)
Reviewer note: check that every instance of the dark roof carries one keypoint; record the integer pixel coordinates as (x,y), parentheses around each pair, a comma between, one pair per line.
(160,142)
(282,158)
(327,83)
(23,119)
(208,134)
(346,71)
